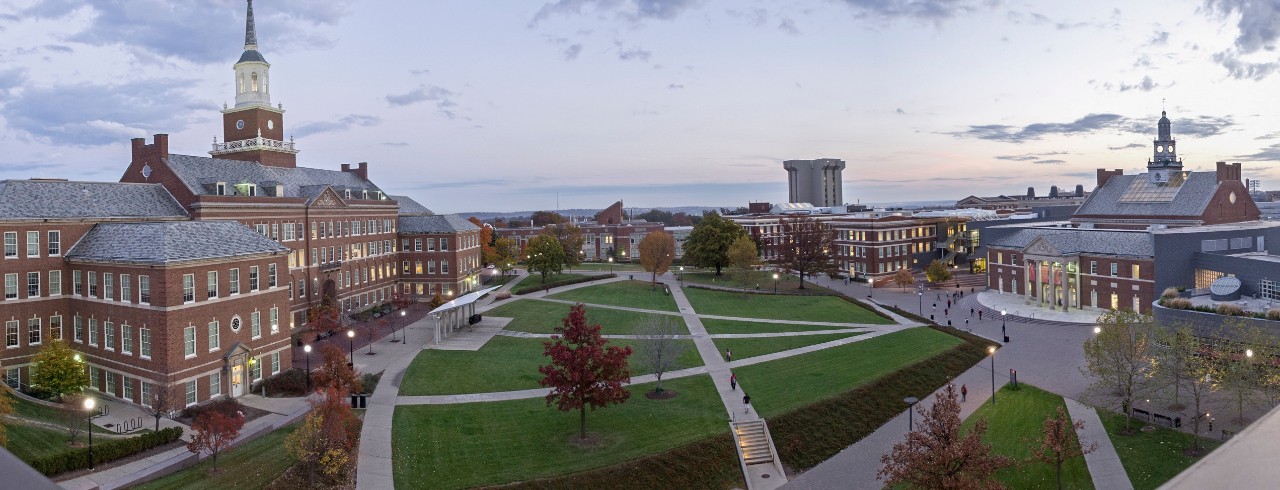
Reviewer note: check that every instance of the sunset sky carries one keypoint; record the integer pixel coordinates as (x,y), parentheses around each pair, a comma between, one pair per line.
(505,105)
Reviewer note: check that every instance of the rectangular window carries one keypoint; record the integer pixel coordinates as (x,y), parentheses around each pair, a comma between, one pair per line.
(128,388)
(1135,270)
(255,368)
(271,275)
(274,319)
(144,342)
(213,336)
(431,244)
(234,277)
(93,284)
(126,289)
(111,382)
(146,391)
(215,384)
(444,267)
(1115,269)
(126,339)
(93,332)
(417,267)
(33,244)
(188,288)
(431,267)
(189,341)
(191,392)
(33,284)
(144,290)
(444,244)
(405,266)
(1093,267)
(108,335)
(33,331)
(77,327)
(108,285)
(212,282)
(253,278)
(275,362)
(275,231)
(417,244)
(55,243)
(77,285)
(11,334)
(302,288)
(255,324)
(288,232)
(55,283)
(55,327)
(10,244)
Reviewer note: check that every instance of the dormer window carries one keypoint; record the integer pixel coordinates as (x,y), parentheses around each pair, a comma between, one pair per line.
(220,189)
(347,193)
(364,194)
(378,195)
(246,189)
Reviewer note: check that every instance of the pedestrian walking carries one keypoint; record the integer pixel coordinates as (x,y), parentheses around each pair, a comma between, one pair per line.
(946,312)
(733,382)
(966,323)
(728,355)
(970,311)
(964,392)
(979,315)
(746,402)
(971,290)
(948,303)
(948,322)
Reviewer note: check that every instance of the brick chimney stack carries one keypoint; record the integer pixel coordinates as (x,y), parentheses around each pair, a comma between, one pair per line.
(361,170)
(1104,175)
(1228,171)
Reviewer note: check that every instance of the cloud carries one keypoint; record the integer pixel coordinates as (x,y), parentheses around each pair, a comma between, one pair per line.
(90,114)
(1146,85)
(1036,158)
(342,124)
(395,143)
(12,77)
(675,86)
(900,111)
(568,49)
(1268,154)
(633,53)
(1244,70)
(788,26)
(1200,127)
(631,10)
(195,30)
(1126,147)
(1197,127)
(1160,38)
(926,10)
(1258,28)
(442,97)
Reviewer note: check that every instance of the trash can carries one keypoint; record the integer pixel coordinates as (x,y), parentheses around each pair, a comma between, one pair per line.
(362,400)
(355,401)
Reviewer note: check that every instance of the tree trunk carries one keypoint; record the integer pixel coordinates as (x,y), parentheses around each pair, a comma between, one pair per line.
(659,388)
(801,279)
(582,421)
(717,269)
(1059,473)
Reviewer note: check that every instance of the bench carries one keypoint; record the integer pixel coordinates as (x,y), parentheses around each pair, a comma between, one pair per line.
(1141,414)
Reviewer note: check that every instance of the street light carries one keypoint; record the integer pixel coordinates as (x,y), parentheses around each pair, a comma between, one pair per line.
(1248,353)
(88,406)
(992,352)
(1097,330)
(351,346)
(775,283)
(402,325)
(1003,332)
(682,276)
(920,302)
(611,265)
(911,403)
(307,349)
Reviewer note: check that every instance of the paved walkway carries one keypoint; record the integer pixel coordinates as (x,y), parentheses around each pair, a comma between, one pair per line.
(1104,464)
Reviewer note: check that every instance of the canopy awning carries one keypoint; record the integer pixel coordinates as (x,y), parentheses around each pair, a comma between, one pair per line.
(463,300)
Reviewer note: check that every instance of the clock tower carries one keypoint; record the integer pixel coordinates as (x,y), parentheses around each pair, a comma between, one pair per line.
(1164,162)
(253,130)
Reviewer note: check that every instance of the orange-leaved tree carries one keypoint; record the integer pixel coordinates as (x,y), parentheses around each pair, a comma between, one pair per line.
(327,437)
(487,255)
(584,370)
(657,250)
(214,431)
(936,455)
(334,371)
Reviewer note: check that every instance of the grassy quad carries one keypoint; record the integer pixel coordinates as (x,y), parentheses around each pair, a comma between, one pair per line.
(253,465)
(783,385)
(800,308)
(722,326)
(503,364)
(751,347)
(1151,458)
(750,280)
(468,445)
(535,316)
(535,283)
(1017,416)
(634,294)
(604,267)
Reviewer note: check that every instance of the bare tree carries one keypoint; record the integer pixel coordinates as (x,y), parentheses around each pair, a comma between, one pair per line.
(1201,377)
(1120,357)
(165,398)
(658,346)
(1058,442)
(807,246)
(72,415)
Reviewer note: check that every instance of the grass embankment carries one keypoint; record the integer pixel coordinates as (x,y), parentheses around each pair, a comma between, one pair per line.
(467,445)
(503,364)
(721,326)
(253,465)
(780,307)
(535,316)
(634,294)
(1153,457)
(1016,417)
(752,347)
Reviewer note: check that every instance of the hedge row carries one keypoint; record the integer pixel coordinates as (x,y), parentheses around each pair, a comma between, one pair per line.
(812,434)
(110,450)
(533,288)
(708,463)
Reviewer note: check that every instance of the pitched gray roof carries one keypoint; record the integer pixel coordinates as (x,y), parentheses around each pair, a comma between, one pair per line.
(200,174)
(410,207)
(251,55)
(440,223)
(53,199)
(1072,241)
(1191,199)
(170,242)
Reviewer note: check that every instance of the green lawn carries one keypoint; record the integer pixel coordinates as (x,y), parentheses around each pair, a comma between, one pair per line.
(752,347)
(253,465)
(29,442)
(503,364)
(777,387)
(1019,415)
(750,280)
(535,316)
(535,283)
(1150,458)
(468,445)
(604,266)
(801,308)
(30,410)
(503,280)
(634,294)
(719,326)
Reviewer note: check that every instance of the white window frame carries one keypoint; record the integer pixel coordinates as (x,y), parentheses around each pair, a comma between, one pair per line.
(144,343)
(189,341)
(215,334)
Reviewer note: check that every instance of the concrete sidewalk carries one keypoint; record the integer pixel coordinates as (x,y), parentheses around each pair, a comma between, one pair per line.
(1104,464)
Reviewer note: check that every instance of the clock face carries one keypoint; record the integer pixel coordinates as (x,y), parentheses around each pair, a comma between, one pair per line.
(240,124)
(271,124)
(1160,149)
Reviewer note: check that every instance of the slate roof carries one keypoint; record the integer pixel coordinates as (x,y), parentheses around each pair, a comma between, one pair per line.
(1191,200)
(1071,241)
(251,55)
(410,207)
(440,223)
(170,242)
(200,174)
(54,199)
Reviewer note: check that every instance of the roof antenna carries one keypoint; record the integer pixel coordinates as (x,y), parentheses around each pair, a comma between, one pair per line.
(1162,104)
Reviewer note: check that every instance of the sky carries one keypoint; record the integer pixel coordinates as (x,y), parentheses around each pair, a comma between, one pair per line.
(522,105)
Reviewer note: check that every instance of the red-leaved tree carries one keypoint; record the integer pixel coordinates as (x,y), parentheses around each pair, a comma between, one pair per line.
(936,455)
(584,371)
(334,371)
(1058,442)
(213,432)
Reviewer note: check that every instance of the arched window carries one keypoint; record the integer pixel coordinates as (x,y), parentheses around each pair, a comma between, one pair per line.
(264,83)
(253,81)
(242,83)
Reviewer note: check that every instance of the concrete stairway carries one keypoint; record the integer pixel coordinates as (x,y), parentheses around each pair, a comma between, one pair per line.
(757,455)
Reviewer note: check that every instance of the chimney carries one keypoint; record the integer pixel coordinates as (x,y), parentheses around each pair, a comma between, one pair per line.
(1031,193)
(346,167)
(162,145)
(1228,171)
(1104,175)
(361,170)
(1053,191)
(1079,190)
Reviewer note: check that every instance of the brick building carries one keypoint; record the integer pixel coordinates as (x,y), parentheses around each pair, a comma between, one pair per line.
(200,270)
(608,234)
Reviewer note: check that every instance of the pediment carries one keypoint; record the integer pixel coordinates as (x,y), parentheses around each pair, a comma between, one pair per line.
(328,199)
(1041,246)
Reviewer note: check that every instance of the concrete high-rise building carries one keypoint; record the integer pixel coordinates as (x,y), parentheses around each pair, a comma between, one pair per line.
(817,182)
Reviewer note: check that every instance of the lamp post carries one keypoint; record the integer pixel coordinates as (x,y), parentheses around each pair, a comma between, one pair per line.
(1003,333)
(611,265)
(1098,330)
(88,406)
(911,403)
(992,352)
(307,349)
(920,302)
(775,283)
(402,327)
(682,276)
(351,346)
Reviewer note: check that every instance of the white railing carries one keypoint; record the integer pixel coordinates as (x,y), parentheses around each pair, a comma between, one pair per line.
(258,143)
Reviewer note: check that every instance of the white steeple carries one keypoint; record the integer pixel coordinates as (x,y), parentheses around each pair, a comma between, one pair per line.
(252,79)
